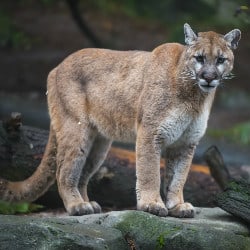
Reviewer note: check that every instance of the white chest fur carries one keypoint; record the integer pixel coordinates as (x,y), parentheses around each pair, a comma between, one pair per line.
(183,126)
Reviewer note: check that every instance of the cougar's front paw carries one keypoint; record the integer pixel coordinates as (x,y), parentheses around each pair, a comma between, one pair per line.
(154,208)
(84,208)
(183,210)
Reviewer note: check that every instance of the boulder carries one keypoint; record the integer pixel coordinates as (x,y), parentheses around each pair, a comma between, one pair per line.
(29,233)
(212,228)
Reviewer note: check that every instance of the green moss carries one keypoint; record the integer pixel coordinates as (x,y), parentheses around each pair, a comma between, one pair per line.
(141,226)
(161,240)
(152,232)
(242,189)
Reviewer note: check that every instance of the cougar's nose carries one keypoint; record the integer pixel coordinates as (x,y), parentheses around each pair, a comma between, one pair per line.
(209,76)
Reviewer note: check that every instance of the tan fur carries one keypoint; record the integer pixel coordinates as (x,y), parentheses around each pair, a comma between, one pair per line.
(160,99)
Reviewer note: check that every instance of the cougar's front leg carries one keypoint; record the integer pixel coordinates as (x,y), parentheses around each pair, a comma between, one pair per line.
(148,174)
(178,161)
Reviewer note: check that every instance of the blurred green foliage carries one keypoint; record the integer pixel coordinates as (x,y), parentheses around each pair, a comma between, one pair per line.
(239,133)
(17,208)
(11,36)
(172,13)
(164,10)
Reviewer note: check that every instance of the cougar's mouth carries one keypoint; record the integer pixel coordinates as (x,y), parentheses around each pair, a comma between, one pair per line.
(208,86)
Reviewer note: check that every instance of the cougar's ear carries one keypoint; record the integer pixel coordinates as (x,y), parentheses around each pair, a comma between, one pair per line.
(233,38)
(190,36)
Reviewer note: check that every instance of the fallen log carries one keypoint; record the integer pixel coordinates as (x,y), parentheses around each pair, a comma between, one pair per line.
(217,166)
(235,197)
(22,148)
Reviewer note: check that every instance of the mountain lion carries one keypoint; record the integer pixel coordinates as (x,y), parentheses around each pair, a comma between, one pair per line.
(159,99)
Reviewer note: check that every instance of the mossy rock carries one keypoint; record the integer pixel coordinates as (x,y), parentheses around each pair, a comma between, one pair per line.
(29,233)
(210,229)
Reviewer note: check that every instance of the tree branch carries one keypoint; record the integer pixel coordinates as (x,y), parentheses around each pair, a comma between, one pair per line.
(81,23)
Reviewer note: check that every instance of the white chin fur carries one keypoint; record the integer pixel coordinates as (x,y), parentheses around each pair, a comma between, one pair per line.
(207,88)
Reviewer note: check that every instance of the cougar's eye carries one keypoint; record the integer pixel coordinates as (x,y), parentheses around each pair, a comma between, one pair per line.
(199,58)
(220,60)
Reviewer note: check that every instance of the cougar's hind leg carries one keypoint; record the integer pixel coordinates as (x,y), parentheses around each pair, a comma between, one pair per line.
(94,160)
(74,141)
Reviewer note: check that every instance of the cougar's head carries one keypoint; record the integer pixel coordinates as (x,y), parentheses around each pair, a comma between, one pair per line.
(209,56)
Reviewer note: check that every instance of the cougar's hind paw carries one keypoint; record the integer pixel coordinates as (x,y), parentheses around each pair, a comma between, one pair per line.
(80,209)
(84,208)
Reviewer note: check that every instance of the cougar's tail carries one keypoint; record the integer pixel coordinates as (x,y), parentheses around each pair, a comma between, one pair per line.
(44,176)
(36,185)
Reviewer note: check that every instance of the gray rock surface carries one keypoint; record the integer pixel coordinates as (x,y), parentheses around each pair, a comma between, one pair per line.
(25,232)
(212,228)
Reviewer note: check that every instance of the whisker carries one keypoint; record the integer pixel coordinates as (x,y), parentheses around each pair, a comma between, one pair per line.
(228,76)
(187,75)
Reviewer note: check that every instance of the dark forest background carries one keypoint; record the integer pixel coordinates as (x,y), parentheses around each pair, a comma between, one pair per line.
(37,35)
